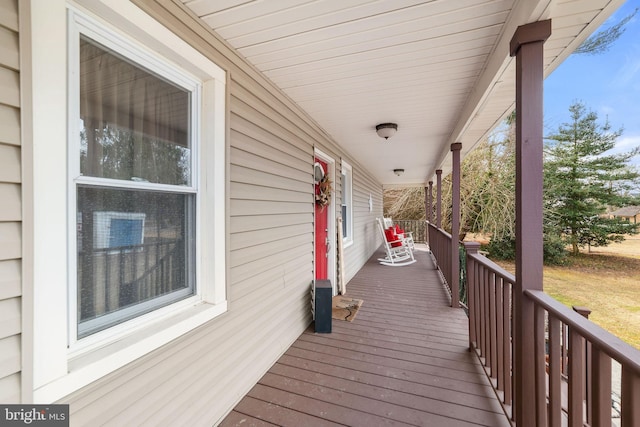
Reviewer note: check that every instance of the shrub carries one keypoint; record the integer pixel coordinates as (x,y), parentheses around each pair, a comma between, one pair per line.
(503,248)
(553,249)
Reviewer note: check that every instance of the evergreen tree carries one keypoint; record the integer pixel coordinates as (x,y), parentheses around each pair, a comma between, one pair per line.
(582,179)
(604,39)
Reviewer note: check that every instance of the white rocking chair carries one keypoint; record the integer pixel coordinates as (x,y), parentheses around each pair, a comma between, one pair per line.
(398,252)
(406,237)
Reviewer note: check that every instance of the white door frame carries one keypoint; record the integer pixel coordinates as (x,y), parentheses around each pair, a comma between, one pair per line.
(331,220)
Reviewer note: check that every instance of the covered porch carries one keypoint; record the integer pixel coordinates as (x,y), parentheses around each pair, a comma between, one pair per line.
(404,360)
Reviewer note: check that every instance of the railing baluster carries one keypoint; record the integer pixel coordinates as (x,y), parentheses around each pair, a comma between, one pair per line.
(600,388)
(500,337)
(576,375)
(508,346)
(492,326)
(491,323)
(555,372)
(630,416)
(487,319)
(476,303)
(471,248)
(483,315)
(514,344)
(539,362)
(565,348)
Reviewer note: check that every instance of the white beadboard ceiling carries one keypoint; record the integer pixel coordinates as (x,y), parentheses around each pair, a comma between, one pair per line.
(440,69)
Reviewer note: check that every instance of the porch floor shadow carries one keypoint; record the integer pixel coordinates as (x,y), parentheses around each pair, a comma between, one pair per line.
(404,360)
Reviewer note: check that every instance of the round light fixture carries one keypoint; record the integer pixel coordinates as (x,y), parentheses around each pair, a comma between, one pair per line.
(398,171)
(385,130)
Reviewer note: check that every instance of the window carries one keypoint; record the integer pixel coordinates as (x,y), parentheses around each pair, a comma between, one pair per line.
(347,204)
(135,191)
(141,266)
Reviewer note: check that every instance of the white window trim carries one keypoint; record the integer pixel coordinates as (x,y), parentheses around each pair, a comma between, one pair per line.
(58,370)
(347,170)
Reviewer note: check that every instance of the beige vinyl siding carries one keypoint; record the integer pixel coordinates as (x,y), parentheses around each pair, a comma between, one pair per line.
(10,205)
(196,379)
(366,237)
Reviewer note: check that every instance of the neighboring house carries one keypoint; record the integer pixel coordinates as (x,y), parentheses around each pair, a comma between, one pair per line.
(158,232)
(630,213)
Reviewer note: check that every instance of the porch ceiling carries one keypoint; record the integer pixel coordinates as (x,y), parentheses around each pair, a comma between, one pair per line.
(439,69)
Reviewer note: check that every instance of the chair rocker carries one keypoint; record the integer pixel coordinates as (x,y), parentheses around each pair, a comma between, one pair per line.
(405,236)
(398,253)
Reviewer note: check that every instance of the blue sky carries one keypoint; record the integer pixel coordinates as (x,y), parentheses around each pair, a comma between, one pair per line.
(607,83)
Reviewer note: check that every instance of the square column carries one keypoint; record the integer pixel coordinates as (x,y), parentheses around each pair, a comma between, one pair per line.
(527,45)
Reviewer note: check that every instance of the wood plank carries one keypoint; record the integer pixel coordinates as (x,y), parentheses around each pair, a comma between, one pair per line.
(401,407)
(401,373)
(359,351)
(327,411)
(236,418)
(413,348)
(330,355)
(278,415)
(319,373)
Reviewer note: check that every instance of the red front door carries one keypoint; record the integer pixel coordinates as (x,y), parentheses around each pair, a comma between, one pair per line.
(322,235)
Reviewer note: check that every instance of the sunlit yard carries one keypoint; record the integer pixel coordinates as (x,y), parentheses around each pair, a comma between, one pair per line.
(607,281)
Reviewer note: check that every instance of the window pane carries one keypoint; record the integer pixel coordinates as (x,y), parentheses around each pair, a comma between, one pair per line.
(135,253)
(134,124)
(345,220)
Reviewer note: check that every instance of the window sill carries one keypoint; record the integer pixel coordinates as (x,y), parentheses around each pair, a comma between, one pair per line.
(95,364)
(347,242)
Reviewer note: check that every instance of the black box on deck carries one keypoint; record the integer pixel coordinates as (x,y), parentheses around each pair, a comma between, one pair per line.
(323,304)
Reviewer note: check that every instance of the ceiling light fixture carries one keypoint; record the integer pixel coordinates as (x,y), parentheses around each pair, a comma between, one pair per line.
(398,171)
(385,130)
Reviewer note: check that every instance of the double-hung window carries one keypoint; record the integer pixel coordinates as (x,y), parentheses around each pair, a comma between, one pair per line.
(135,187)
(347,203)
(144,196)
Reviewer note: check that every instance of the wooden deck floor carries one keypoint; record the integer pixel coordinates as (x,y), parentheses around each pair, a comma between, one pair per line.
(404,360)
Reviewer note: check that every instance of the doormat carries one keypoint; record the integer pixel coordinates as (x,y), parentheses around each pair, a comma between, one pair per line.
(345,308)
